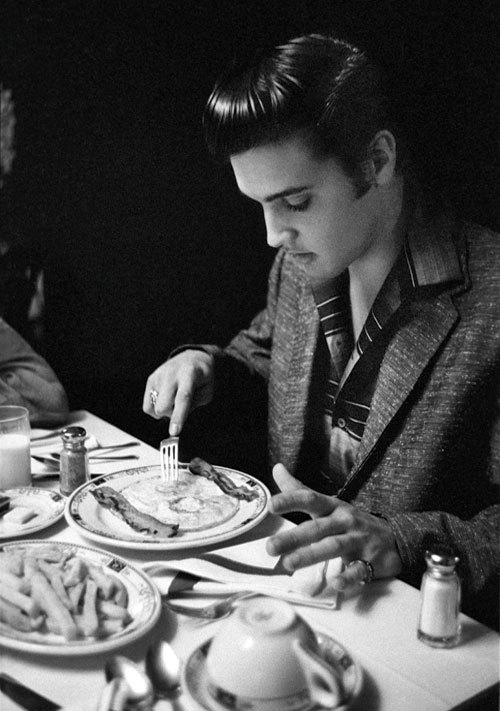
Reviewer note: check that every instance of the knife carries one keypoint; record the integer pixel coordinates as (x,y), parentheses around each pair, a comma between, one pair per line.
(27,698)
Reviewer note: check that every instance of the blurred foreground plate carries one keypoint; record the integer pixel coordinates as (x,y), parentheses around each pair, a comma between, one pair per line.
(94,521)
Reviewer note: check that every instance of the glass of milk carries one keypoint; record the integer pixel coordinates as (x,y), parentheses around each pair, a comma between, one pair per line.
(15,463)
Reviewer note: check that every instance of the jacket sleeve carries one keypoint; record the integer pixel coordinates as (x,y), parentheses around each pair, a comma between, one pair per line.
(248,354)
(27,379)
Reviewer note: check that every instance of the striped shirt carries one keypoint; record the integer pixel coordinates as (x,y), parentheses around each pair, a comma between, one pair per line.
(355,366)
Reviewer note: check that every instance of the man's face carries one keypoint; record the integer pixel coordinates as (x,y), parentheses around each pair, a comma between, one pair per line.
(310,206)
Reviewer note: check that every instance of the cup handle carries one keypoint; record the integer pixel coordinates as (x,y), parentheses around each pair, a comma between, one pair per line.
(325,685)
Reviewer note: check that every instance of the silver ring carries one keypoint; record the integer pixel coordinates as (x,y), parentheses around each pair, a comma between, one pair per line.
(369,573)
(153,394)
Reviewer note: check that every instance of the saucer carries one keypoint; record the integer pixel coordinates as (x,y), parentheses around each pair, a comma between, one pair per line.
(195,680)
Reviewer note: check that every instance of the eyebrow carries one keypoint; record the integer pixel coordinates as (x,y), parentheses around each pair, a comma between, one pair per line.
(285,193)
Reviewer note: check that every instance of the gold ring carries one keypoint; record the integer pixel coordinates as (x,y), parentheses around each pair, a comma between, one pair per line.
(369,573)
(154,397)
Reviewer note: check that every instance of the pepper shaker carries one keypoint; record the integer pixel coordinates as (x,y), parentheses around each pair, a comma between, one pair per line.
(440,600)
(74,463)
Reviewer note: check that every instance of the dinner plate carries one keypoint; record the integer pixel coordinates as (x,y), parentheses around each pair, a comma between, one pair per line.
(48,505)
(195,678)
(94,521)
(144,606)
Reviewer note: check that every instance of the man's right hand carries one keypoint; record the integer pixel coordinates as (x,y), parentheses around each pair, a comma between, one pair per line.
(181,384)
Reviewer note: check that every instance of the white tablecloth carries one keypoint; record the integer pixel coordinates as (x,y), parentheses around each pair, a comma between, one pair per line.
(378,628)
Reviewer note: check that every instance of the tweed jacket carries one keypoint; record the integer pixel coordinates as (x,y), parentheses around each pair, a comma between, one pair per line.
(429,459)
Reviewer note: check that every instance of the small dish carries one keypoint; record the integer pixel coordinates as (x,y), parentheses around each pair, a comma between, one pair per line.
(195,679)
(48,505)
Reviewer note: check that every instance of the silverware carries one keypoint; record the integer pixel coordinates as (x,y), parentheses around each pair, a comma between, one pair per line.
(163,667)
(54,433)
(53,459)
(135,690)
(169,460)
(25,697)
(37,476)
(213,611)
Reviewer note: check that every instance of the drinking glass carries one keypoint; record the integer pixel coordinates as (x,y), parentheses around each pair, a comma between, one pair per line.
(15,463)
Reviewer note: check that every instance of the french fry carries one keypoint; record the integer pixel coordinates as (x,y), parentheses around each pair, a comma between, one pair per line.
(89,622)
(109,609)
(12,563)
(19,600)
(104,582)
(121,594)
(14,617)
(15,583)
(49,601)
(75,594)
(54,576)
(75,572)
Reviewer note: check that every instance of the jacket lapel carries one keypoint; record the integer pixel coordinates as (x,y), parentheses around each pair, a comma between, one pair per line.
(407,356)
(300,372)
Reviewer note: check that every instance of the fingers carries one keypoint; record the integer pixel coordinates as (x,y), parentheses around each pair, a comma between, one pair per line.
(309,542)
(284,479)
(302,499)
(178,386)
(351,578)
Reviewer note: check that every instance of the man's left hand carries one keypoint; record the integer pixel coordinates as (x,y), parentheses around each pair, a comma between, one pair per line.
(336,529)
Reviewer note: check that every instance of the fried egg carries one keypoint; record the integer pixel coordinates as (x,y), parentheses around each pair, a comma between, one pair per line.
(194,503)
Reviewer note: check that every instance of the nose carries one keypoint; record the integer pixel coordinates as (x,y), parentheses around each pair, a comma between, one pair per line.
(278,233)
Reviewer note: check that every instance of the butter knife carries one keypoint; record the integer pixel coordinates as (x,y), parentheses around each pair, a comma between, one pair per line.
(27,698)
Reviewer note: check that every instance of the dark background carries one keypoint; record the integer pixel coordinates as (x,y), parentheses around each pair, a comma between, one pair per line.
(144,242)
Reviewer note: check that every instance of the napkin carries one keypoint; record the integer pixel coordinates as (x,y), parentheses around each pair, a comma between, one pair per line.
(247,567)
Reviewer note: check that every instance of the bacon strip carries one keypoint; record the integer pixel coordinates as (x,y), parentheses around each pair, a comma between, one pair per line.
(141,522)
(201,468)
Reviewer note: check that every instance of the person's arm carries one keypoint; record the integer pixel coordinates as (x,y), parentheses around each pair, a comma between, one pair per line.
(27,379)
(194,372)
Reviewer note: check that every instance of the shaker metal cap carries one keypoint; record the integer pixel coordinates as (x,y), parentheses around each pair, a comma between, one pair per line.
(73,434)
(441,556)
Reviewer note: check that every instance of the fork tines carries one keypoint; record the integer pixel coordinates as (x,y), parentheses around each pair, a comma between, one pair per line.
(169,458)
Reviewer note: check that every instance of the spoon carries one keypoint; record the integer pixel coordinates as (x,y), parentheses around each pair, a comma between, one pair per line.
(136,693)
(164,669)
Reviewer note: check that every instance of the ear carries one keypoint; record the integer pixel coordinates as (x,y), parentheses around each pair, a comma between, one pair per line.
(381,159)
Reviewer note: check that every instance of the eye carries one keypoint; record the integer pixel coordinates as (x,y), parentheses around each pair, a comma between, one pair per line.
(298,206)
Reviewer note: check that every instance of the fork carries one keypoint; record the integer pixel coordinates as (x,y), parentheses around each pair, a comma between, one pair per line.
(213,611)
(169,459)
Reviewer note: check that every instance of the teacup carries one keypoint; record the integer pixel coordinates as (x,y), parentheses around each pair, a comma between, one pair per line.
(265,657)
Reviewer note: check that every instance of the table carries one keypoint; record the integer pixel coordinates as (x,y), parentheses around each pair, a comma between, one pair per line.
(378,628)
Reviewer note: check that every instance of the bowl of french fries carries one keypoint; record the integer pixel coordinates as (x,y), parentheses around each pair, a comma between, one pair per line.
(64,598)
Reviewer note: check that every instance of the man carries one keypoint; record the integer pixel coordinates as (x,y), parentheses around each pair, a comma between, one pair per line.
(380,341)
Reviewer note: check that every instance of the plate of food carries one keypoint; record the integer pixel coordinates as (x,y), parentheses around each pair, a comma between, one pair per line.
(207,505)
(29,510)
(62,598)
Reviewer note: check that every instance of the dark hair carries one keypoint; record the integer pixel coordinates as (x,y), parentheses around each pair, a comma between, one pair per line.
(318,86)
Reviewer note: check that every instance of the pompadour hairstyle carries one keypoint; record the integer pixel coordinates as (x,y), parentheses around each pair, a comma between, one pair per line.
(318,86)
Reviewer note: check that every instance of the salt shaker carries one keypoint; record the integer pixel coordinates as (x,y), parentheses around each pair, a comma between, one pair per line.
(440,600)
(74,463)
